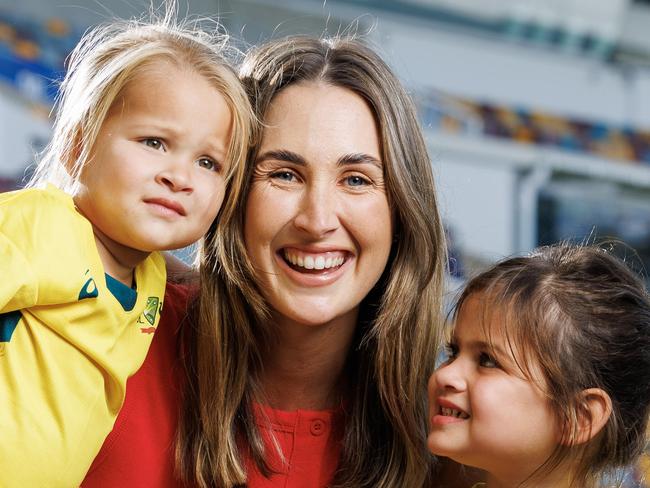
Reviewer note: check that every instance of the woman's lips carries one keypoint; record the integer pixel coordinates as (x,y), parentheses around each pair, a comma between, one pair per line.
(313,267)
(302,260)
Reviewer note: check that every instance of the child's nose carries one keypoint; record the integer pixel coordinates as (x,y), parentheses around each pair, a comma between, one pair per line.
(176,177)
(450,376)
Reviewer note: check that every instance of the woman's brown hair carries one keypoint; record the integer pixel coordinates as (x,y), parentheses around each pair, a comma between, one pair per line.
(399,325)
(581,317)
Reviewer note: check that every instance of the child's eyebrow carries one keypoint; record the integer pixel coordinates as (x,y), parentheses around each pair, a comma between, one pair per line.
(490,347)
(480,346)
(217,150)
(154,127)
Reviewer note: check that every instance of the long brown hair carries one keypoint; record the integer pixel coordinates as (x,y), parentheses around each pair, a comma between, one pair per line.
(399,325)
(581,317)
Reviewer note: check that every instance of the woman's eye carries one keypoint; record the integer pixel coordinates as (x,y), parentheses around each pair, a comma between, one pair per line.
(287,176)
(488,361)
(208,164)
(153,143)
(356,180)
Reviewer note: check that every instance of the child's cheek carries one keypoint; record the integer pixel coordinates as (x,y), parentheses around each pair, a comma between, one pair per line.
(431,386)
(431,391)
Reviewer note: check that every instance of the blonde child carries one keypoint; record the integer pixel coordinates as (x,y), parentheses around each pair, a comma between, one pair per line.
(151,129)
(547,383)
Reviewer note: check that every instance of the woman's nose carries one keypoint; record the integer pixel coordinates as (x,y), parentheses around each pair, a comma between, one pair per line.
(317,214)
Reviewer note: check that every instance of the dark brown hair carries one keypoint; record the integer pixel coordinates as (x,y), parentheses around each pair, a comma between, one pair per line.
(581,317)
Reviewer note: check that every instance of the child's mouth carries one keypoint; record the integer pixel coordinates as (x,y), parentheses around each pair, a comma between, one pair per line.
(451,412)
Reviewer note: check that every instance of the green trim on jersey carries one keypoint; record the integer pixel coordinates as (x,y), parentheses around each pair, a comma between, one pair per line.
(126,295)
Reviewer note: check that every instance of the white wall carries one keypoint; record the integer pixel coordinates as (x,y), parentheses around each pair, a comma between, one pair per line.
(476,200)
(498,72)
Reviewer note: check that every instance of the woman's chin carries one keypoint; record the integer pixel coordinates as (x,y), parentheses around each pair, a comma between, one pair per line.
(316,314)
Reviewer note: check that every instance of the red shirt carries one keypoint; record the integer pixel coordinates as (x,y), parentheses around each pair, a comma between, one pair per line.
(310,442)
(139,452)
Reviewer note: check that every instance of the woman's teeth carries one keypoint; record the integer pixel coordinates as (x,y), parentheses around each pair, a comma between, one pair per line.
(450,412)
(313,262)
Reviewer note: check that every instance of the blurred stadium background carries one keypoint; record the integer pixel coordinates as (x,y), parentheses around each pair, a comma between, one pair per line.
(536,112)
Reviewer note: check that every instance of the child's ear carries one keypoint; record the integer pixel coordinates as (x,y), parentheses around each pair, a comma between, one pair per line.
(72,153)
(594,410)
(75,151)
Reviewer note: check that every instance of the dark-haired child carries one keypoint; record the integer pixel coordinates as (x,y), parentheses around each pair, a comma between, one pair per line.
(547,383)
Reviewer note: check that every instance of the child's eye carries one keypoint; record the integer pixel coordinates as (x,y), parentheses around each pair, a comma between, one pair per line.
(487,361)
(449,352)
(209,164)
(153,143)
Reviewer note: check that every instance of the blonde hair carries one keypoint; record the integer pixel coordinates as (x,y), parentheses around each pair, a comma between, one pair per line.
(581,317)
(399,322)
(103,63)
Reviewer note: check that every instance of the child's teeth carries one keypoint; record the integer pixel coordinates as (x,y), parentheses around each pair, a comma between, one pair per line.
(450,412)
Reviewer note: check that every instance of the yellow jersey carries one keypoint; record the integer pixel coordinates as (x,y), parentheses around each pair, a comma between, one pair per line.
(69,339)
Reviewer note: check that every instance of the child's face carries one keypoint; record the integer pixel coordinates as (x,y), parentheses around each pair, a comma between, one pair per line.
(155,180)
(482,410)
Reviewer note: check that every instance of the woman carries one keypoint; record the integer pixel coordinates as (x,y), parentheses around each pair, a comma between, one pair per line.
(319,307)
(323,293)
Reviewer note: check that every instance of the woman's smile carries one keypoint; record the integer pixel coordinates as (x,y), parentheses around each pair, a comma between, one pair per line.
(312,268)
(318,224)
(313,261)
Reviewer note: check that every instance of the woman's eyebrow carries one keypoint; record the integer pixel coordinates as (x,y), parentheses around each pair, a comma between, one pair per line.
(360,158)
(282,155)
(295,158)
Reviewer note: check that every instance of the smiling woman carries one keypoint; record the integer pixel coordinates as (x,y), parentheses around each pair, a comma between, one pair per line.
(320,301)
(318,224)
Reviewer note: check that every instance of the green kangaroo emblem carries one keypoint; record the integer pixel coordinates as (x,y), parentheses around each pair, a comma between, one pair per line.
(150,309)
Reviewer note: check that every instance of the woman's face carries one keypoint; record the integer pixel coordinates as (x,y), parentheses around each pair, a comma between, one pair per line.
(318,225)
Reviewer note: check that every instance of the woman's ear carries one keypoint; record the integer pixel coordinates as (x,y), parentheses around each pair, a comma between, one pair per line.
(594,410)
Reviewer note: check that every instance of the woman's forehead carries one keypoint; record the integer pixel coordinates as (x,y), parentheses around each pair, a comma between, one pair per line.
(320,121)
